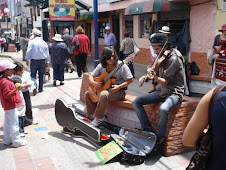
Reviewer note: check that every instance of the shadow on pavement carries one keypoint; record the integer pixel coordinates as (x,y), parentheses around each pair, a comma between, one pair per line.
(71,138)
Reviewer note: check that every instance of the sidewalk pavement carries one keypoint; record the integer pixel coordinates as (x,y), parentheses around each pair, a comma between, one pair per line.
(48,148)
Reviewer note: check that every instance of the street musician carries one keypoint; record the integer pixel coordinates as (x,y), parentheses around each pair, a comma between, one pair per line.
(169,90)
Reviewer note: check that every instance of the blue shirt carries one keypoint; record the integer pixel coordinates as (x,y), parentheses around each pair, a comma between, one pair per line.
(59,52)
(37,50)
(109,39)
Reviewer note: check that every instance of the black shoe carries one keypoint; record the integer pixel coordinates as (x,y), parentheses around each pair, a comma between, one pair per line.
(156,148)
(61,83)
(67,131)
(54,83)
(34,91)
(72,70)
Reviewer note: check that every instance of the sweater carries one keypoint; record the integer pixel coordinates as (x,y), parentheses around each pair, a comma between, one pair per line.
(84,44)
(9,98)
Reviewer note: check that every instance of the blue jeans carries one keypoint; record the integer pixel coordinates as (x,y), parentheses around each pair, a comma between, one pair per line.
(58,72)
(37,66)
(168,103)
(130,65)
(21,124)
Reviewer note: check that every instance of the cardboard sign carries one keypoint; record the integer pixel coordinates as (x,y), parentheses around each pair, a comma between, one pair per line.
(108,151)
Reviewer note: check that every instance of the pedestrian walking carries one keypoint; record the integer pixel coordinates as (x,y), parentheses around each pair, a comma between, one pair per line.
(82,52)
(37,57)
(23,45)
(109,38)
(68,41)
(2,41)
(127,48)
(59,53)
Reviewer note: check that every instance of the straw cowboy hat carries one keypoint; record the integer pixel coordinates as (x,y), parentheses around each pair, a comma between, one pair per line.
(165,30)
(57,37)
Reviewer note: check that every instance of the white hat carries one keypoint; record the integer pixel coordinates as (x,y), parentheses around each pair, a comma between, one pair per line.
(57,37)
(36,31)
(107,28)
(6,64)
(165,30)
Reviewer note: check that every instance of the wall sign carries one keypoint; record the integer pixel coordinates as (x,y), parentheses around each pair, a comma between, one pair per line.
(61,10)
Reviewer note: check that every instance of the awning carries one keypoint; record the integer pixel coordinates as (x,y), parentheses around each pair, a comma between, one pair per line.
(89,15)
(42,4)
(83,4)
(156,6)
(63,23)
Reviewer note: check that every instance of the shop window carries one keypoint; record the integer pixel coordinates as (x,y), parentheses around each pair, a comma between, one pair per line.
(38,11)
(129,25)
(102,26)
(145,22)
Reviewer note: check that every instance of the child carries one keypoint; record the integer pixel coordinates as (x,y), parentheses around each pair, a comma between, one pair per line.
(21,109)
(27,83)
(10,100)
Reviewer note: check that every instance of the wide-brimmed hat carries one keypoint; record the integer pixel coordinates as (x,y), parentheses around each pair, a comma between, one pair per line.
(6,64)
(223,28)
(165,30)
(159,39)
(57,37)
(36,31)
(107,28)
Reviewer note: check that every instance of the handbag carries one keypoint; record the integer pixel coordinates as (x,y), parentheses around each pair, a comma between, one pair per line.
(76,43)
(136,50)
(199,160)
(194,68)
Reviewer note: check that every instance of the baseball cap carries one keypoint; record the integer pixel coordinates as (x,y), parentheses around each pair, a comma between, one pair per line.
(159,39)
(6,64)
(107,28)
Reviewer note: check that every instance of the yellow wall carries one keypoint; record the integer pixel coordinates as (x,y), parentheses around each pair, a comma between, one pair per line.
(220,17)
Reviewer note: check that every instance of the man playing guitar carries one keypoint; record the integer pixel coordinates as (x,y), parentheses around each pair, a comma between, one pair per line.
(169,90)
(109,64)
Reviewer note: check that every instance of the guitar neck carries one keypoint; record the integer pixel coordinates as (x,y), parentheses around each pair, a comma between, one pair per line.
(112,72)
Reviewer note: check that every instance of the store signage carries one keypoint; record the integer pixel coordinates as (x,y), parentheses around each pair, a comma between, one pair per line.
(61,10)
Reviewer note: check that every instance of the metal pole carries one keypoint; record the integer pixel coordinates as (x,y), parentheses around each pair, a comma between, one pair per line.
(7,23)
(95,12)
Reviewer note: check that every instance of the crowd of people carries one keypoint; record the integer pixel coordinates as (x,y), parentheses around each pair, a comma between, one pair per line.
(168,79)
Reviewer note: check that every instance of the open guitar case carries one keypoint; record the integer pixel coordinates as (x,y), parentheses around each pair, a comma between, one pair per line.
(136,144)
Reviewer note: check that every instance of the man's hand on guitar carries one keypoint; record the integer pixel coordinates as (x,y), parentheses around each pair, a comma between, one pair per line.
(96,84)
(141,80)
(114,88)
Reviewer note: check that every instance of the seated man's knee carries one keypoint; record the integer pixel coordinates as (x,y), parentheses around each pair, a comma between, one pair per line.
(87,94)
(163,111)
(104,94)
(136,102)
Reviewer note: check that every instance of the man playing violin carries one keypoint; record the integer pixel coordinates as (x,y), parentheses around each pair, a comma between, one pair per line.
(169,90)
(123,77)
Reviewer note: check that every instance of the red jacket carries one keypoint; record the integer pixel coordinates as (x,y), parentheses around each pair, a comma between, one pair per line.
(9,98)
(84,44)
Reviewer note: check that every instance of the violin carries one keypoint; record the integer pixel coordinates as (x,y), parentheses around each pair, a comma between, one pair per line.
(158,62)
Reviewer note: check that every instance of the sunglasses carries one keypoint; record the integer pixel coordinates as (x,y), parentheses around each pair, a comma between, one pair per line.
(109,57)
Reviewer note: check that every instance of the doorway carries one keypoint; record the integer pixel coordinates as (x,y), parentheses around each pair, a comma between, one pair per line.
(116,31)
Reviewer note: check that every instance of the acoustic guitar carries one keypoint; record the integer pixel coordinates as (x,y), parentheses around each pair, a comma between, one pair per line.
(106,79)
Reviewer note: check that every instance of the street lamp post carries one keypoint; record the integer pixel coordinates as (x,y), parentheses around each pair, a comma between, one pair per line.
(6,11)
